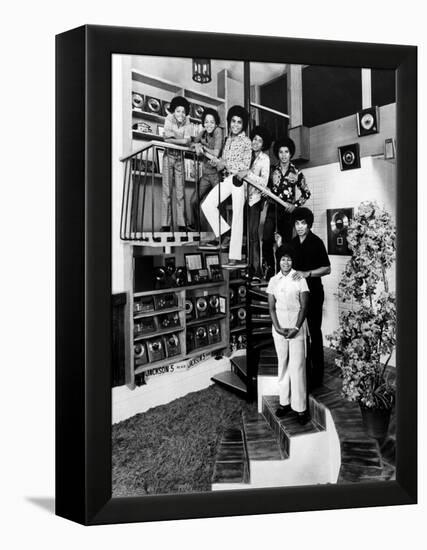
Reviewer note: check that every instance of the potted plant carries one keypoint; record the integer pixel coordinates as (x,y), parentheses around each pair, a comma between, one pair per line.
(366,336)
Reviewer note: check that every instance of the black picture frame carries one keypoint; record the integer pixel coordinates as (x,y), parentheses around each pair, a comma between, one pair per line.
(83,271)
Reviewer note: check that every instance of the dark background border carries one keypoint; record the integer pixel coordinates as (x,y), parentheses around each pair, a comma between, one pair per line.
(83,274)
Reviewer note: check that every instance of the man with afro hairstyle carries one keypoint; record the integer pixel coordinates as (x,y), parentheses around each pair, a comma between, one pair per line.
(177,131)
(236,156)
(285,180)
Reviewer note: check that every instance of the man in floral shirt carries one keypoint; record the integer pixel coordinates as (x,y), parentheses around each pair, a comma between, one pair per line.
(284,182)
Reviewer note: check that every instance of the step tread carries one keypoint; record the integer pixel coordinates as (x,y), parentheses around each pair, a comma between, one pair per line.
(231,463)
(289,424)
(231,379)
(261,441)
(240,362)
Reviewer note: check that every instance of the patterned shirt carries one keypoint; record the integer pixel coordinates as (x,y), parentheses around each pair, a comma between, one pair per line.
(284,185)
(259,173)
(177,131)
(237,153)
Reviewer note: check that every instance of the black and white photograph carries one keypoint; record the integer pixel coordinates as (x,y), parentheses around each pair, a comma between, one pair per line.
(263,355)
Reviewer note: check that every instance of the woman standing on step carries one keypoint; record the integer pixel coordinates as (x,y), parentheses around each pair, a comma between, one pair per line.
(288,299)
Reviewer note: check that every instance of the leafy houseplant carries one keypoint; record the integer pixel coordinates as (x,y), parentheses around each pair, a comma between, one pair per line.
(367,332)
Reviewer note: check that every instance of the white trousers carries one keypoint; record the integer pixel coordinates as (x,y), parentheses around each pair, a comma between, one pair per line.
(219,226)
(291,370)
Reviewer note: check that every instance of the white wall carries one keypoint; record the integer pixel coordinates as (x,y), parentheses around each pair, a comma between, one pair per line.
(332,188)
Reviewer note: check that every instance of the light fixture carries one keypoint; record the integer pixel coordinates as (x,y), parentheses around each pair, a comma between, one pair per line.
(202,71)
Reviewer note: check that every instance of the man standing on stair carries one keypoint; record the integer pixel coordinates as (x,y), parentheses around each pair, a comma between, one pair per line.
(311,263)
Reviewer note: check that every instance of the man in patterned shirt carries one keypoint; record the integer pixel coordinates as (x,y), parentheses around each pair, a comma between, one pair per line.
(284,182)
(236,156)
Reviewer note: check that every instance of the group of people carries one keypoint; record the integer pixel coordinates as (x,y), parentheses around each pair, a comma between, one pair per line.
(240,167)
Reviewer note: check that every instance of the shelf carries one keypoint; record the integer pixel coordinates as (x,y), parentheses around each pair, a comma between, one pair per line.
(204,98)
(154,117)
(155,81)
(158,312)
(206,320)
(177,289)
(158,333)
(206,349)
(161,363)
(237,329)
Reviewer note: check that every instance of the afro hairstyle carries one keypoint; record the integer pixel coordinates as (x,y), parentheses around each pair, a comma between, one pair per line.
(179,101)
(238,110)
(264,134)
(214,113)
(284,142)
(285,250)
(303,213)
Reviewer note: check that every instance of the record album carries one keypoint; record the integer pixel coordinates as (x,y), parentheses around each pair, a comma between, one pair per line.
(155,350)
(201,337)
(169,320)
(201,307)
(349,156)
(241,315)
(165,301)
(338,221)
(172,345)
(241,293)
(137,101)
(368,121)
(140,354)
(153,105)
(213,304)
(214,333)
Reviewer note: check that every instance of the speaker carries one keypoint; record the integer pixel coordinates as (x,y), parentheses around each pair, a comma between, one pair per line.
(190,312)
(349,156)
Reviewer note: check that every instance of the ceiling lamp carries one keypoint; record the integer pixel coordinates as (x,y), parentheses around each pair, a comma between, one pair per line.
(202,71)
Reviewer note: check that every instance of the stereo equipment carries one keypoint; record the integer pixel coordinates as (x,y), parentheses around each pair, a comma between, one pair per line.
(241,293)
(169,320)
(165,301)
(155,350)
(213,304)
(165,107)
(233,297)
(349,156)
(190,312)
(197,110)
(144,326)
(152,105)
(241,315)
(368,121)
(201,307)
(214,333)
(172,345)
(140,354)
(200,337)
(137,101)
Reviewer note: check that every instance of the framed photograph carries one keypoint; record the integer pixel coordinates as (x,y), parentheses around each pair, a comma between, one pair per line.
(338,220)
(252,445)
(212,260)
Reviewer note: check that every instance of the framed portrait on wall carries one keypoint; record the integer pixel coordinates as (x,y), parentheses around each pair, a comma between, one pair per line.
(242,441)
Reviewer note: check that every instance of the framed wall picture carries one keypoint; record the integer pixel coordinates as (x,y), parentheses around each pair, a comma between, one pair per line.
(323,453)
(338,220)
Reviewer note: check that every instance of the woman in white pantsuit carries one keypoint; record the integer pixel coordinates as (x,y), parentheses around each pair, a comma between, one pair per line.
(288,299)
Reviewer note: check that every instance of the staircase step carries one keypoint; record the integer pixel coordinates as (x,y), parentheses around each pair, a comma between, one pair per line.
(258,294)
(231,464)
(261,331)
(259,306)
(239,362)
(260,344)
(231,381)
(289,424)
(269,352)
(261,441)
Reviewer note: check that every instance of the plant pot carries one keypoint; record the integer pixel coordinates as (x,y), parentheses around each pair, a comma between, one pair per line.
(376,421)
